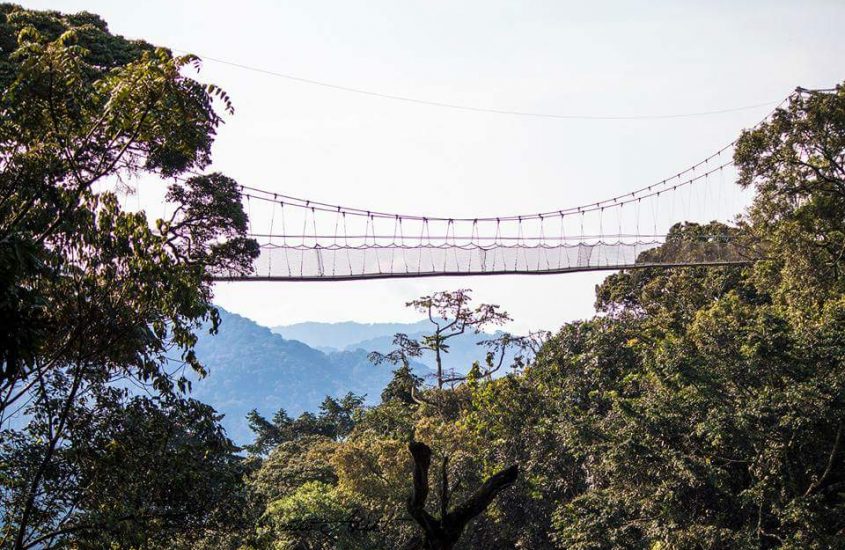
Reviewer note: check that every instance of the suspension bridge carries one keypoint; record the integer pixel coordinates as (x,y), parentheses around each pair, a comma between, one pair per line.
(309,240)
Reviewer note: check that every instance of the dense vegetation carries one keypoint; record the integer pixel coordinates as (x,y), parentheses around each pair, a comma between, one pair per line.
(94,300)
(700,408)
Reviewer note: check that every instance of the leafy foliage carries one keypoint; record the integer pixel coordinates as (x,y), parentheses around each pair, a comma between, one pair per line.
(702,407)
(94,299)
(335,421)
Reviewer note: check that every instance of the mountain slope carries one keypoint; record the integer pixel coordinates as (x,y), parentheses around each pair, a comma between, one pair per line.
(346,334)
(351,336)
(251,367)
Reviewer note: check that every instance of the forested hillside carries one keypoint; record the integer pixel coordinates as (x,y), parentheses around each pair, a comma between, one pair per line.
(249,367)
(701,407)
(252,367)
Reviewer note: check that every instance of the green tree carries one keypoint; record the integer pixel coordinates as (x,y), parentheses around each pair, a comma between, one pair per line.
(796,165)
(294,463)
(316,516)
(94,298)
(451,315)
(98,490)
(335,420)
(269,434)
(403,386)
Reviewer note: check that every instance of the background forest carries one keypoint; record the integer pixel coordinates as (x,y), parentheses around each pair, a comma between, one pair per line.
(699,408)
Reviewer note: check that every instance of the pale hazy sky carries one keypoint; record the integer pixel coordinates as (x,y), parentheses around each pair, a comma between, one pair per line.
(593,58)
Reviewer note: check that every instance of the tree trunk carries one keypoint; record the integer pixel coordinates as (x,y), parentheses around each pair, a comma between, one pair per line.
(443,533)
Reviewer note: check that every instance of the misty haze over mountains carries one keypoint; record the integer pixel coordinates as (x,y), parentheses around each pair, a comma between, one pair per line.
(294,367)
(351,337)
(345,335)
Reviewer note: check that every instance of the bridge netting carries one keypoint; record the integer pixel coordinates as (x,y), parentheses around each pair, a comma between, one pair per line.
(389,261)
(303,239)
(309,240)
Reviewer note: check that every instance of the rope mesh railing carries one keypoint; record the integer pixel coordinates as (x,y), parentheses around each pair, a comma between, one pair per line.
(312,240)
(306,240)
(336,262)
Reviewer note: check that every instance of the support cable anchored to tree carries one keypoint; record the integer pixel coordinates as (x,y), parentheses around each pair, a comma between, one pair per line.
(340,243)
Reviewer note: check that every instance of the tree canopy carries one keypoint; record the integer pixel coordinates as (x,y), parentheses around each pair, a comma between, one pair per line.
(98,302)
(701,407)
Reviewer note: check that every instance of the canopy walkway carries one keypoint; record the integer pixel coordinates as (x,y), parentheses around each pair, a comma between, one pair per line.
(334,242)
(308,240)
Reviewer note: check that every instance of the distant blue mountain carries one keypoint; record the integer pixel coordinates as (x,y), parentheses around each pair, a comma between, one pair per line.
(344,335)
(351,336)
(463,349)
(295,367)
(251,367)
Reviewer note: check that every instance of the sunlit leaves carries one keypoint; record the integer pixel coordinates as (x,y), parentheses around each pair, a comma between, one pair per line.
(94,298)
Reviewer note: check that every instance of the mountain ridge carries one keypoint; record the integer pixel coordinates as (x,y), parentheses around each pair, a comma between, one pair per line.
(343,334)
(251,366)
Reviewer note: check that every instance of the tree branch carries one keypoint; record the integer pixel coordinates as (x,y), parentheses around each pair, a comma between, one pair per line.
(485,494)
(831,459)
